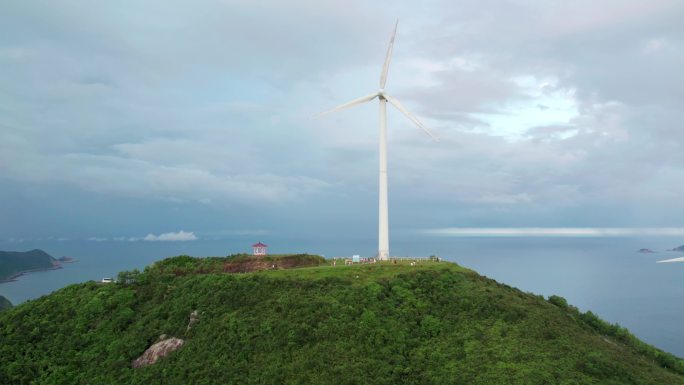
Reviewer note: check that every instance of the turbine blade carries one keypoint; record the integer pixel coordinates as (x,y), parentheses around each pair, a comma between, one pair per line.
(354,102)
(409,115)
(388,58)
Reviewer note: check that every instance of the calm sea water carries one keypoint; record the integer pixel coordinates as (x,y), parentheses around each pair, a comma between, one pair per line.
(604,275)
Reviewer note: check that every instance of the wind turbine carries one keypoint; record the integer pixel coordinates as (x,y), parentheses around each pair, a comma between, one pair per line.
(383,98)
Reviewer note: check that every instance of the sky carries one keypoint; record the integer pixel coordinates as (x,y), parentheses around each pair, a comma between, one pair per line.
(144,121)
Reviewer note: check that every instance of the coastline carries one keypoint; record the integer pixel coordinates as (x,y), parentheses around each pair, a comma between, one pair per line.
(16,276)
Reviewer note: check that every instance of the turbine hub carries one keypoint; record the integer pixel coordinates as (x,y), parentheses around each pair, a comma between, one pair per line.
(381,92)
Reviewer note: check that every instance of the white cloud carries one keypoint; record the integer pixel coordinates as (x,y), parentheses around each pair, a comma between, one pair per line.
(654,45)
(680,259)
(97,239)
(554,231)
(172,237)
(506,199)
(512,118)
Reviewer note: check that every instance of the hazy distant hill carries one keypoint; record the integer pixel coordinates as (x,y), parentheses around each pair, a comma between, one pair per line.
(15,262)
(384,323)
(4,303)
(680,248)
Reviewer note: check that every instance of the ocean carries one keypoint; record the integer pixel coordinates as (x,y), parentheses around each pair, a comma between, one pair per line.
(603,274)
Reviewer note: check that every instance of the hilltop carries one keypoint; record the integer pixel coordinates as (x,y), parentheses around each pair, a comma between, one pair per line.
(383,323)
(14,263)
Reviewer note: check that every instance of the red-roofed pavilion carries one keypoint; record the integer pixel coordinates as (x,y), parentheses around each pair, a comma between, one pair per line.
(259,249)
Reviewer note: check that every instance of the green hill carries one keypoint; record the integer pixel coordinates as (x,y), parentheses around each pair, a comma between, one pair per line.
(384,323)
(4,303)
(15,262)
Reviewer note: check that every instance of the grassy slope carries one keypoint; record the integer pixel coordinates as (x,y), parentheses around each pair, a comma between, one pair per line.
(13,262)
(381,324)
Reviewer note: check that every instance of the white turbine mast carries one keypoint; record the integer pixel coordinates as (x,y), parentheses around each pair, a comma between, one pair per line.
(383,98)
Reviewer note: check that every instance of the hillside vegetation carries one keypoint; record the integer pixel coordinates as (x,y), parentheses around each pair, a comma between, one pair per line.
(15,262)
(384,323)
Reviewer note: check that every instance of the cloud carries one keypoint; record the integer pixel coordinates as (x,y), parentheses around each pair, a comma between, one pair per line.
(98,239)
(681,259)
(123,176)
(549,114)
(171,237)
(652,46)
(555,232)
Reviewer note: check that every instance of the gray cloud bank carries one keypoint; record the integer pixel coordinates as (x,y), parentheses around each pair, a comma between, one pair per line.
(550,113)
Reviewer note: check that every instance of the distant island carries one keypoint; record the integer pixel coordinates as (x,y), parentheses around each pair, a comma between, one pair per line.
(646,251)
(15,263)
(4,303)
(680,248)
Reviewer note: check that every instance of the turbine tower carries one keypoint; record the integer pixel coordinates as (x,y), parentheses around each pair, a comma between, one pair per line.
(383,98)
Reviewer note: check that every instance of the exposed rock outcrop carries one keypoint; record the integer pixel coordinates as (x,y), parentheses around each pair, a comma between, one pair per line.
(194,317)
(245,264)
(157,351)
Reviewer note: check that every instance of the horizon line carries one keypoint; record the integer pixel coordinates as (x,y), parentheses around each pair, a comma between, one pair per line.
(554,231)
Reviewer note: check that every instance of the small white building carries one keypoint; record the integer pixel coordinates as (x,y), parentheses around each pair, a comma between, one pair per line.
(259,249)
